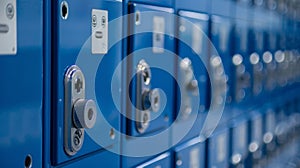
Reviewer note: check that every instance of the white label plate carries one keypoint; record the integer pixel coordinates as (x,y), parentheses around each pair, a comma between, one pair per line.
(195,158)
(197,38)
(99,23)
(158,34)
(221,147)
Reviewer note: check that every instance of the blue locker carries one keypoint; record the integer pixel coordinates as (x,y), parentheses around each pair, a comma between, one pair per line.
(257,49)
(239,141)
(75,27)
(191,25)
(151,46)
(142,47)
(257,131)
(191,154)
(21,62)
(241,67)
(269,137)
(219,148)
(221,36)
(269,60)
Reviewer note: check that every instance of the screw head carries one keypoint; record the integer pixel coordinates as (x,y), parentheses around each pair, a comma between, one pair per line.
(137,18)
(146,119)
(78,84)
(103,21)
(78,133)
(94,20)
(76,140)
(10,11)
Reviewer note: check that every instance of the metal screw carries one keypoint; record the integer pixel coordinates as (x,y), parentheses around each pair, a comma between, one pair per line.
(10,11)
(112,133)
(145,119)
(76,140)
(78,84)
(137,17)
(94,20)
(78,133)
(103,21)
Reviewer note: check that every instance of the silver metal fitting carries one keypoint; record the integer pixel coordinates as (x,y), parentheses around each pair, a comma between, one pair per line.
(148,100)
(80,113)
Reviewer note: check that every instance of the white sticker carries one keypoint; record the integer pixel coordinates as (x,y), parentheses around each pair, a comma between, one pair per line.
(8,27)
(259,40)
(257,131)
(158,34)
(195,158)
(197,38)
(221,147)
(244,38)
(99,31)
(223,38)
(270,121)
(242,136)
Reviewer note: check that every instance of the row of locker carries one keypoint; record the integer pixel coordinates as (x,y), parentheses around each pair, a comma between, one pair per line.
(60,58)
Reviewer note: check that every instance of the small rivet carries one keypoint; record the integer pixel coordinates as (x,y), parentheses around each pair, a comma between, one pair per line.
(10,11)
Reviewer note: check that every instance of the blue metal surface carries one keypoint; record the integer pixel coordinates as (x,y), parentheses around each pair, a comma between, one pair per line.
(22,90)
(32,87)
(218,146)
(201,6)
(140,41)
(162,3)
(190,154)
(221,37)
(68,41)
(144,40)
(187,20)
(239,138)
(163,160)
(242,47)
(221,33)
(100,158)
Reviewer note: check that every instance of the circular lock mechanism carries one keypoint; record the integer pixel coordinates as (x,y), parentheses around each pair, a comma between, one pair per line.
(84,113)
(151,100)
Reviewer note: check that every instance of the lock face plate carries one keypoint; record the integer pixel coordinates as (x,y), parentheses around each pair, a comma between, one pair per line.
(8,27)
(74,90)
(143,86)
